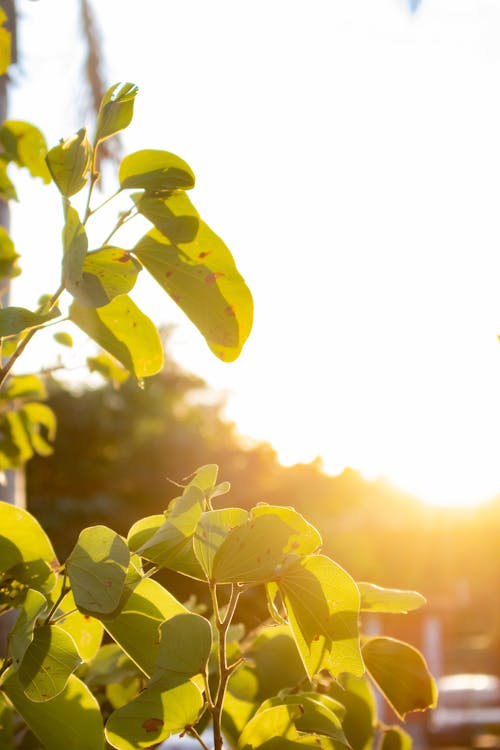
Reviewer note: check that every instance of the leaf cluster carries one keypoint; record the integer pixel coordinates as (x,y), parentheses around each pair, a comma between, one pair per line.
(304,677)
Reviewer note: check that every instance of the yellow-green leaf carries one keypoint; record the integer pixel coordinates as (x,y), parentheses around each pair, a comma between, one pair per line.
(70,720)
(185,644)
(14,320)
(69,163)
(155,170)
(211,531)
(47,663)
(8,257)
(124,332)
(7,189)
(97,568)
(377,599)
(105,274)
(401,674)
(154,715)
(116,110)
(75,246)
(322,603)
(86,631)
(25,145)
(202,278)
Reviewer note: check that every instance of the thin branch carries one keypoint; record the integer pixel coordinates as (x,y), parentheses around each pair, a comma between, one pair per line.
(122,219)
(193,733)
(5,370)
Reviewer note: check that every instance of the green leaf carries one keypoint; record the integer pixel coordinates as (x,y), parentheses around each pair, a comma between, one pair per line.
(85,631)
(395,738)
(276,661)
(63,338)
(143,530)
(322,603)
(5,44)
(97,569)
(357,697)
(135,629)
(171,546)
(211,531)
(156,171)
(185,644)
(318,714)
(7,189)
(154,715)
(8,257)
(14,320)
(256,550)
(26,553)
(125,332)
(7,741)
(47,663)
(106,273)
(401,674)
(173,215)
(201,277)
(75,246)
(377,599)
(108,368)
(110,666)
(116,110)
(24,387)
(25,144)
(69,163)
(39,421)
(70,720)
(21,635)
(276,722)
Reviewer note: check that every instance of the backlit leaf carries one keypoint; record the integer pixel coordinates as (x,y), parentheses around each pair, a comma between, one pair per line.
(395,738)
(69,163)
(25,550)
(97,569)
(63,338)
(143,530)
(185,644)
(75,246)
(173,215)
(358,699)
(105,274)
(47,664)
(25,144)
(85,631)
(401,674)
(125,332)
(211,531)
(276,661)
(320,714)
(14,320)
(24,387)
(108,368)
(70,720)
(322,603)
(21,635)
(135,629)
(154,715)
(378,599)
(201,277)
(256,550)
(275,722)
(40,424)
(8,257)
(155,170)
(116,110)
(171,545)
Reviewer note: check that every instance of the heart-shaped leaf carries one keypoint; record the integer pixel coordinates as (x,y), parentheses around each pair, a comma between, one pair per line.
(401,674)
(185,644)
(97,568)
(322,603)
(69,163)
(47,663)
(211,531)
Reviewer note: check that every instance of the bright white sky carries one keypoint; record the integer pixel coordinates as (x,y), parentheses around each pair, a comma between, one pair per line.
(348,152)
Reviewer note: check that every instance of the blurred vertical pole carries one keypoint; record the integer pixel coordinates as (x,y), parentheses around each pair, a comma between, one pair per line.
(13,489)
